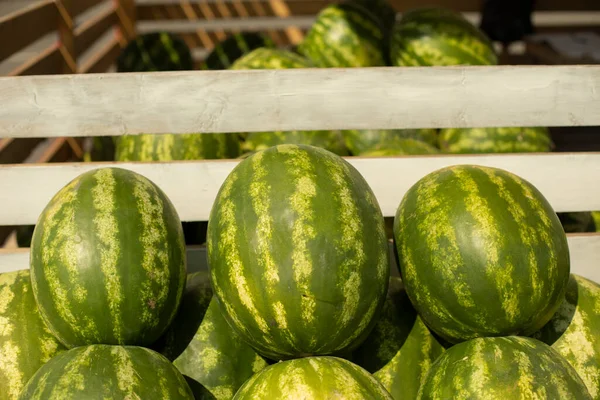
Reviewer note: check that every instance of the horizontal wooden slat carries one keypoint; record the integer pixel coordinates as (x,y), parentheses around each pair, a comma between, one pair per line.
(298,99)
(90,31)
(21,28)
(47,62)
(192,186)
(584,251)
(246,24)
(103,58)
(79,6)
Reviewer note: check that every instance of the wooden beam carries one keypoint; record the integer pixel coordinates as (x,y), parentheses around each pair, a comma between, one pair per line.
(91,30)
(103,58)
(126,13)
(297,99)
(47,62)
(66,37)
(80,6)
(262,23)
(21,28)
(281,9)
(13,151)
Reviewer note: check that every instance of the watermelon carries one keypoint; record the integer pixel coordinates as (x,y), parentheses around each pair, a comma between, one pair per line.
(360,141)
(329,140)
(381,9)
(236,45)
(344,35)
(574,331)
(439,37)
(400,349)
(267,58)
(495,140)
(25,341)
(401,148)
(596,216)
(481,253)
(107,372)
(167,147)
(502,368)
(577,222)
(297,252)
(24,233)
(108,260)
(312,378)
(203,346)
(155,51)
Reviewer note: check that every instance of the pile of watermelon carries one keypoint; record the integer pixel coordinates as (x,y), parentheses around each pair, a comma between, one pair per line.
(301,299)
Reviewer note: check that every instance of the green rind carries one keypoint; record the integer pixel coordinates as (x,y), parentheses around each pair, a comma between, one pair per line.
(481,252)
(328,140)
(360,141)
(167,147)
(108,260)
(400,349)
(313,378)
(267,58)
(495,140)
(439,37)
(156,51)
(107,372)
(574,331)
(344,36)
(25,341)
(235,46)
(404,147)
(502,368)
(596,216)
(297,252)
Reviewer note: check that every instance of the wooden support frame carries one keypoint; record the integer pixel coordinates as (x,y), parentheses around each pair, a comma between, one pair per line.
(48,61)
(66,37)
(103,59)
(126,13)
(91,30)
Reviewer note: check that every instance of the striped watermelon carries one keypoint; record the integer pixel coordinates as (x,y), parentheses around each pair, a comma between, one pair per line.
(313,378)
(204,347)
(381,9)
(360,141)
(226,52)
(437,36)
(495,140)
(107,372)
(402,147)
(108,260)
(156,51)
(25,341)
(574,331)
(267,58)
(481,252)
(297,252)
(400,349)
(194,146)
(344,35)
(596,216)
(502,368)
(329,140)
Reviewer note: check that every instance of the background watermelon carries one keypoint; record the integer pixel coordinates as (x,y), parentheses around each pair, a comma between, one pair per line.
(312,378)
(495,140)
(236,45)
(439,37)
(360,141)
(268,58)
(156,51)
(108,260)
(107,372)
(502,368)
(400,349)
(402,148)
(344,35)
(574,331)
(481,252)
(25,341)
(297,252)
(329,140)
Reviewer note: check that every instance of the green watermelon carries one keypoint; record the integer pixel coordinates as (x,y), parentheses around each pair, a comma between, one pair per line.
(167,147)
(360,141)
(108,260)
(495,140)
(481,253)
(596,216)
(313,378)
(439,37)
(344,35)
(381,9)
(25,341)
(156,51)
(329,140)
(203,346)
(401,148)
(400,349)
(24,233)
(574,331)
(267,58)
(107,372)
(297,252)
(502,368)
(226,52)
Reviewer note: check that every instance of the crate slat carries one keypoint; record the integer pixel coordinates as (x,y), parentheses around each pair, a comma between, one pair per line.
(583,248)
(80,6)
(48,61)
(569,181)
(102,59)
(299,99)
(93,29)
(220,24)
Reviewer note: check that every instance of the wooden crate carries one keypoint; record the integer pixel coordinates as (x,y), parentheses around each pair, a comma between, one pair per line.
(307,99)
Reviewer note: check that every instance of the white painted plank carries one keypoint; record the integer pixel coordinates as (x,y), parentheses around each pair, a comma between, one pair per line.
(584,250)
(259,100)
(569,181)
